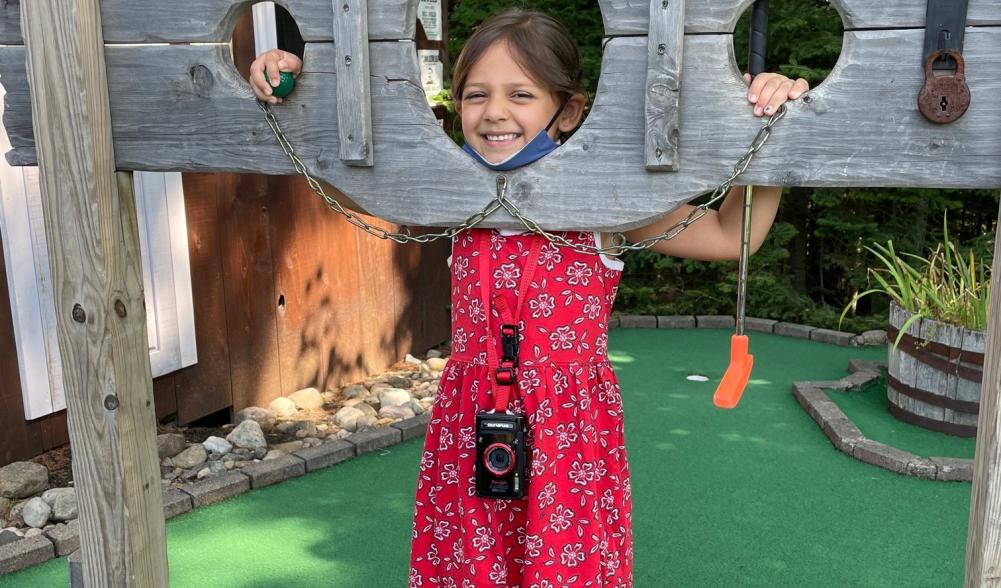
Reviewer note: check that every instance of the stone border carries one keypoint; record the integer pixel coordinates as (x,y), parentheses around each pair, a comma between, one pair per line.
(842,338)
(65,539)
(848,439)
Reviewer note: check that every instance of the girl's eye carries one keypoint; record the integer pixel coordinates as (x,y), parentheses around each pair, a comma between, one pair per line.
(523,95)
(473,96)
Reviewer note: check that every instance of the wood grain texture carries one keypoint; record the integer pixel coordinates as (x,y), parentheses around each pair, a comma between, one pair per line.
(184,107)
(665,51)
(207,21)
(983,543)
(93,244)
(204,21)
(354,113)
(631,17)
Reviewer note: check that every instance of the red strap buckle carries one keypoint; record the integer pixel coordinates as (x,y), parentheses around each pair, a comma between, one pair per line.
(504,375)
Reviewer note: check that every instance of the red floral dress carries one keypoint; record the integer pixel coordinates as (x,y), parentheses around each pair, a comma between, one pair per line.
(574,526)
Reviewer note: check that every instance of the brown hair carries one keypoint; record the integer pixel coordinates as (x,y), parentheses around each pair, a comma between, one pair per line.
(541,45)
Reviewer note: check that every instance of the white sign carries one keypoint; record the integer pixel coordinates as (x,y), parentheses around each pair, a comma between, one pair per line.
(432,72)
(429,13)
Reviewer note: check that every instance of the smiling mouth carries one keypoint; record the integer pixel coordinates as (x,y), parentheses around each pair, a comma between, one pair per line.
(501,138)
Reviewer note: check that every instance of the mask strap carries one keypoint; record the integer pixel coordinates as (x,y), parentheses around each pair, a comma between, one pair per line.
(557,115)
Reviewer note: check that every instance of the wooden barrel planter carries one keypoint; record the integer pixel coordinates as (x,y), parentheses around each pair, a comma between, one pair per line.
(935,374)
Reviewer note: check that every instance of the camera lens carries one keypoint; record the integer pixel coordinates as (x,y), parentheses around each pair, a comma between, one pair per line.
(499,459)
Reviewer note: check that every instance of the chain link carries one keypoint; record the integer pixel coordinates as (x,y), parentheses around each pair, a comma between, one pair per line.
(619,243)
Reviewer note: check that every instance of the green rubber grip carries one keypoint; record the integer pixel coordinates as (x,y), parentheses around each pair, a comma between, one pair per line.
(286,84)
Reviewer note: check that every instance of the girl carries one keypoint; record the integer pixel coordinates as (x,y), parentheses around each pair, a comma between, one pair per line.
(529,337)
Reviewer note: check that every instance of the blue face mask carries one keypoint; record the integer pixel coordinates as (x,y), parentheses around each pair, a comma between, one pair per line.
(540,146)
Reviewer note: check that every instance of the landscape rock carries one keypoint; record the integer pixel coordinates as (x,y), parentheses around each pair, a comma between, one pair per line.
(396,412)
(393,397)
(217,445)
(36,513)
(307,399)
(398,381)
(436,363)
(63,502)
(433,353)
(191,457)
(262,416)
(347,418)
(22,479)
(283,407)
(248,435)
(411,360)
(170,444)
(354,391)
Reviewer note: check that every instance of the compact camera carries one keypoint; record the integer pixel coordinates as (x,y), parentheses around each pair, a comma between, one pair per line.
(500,455)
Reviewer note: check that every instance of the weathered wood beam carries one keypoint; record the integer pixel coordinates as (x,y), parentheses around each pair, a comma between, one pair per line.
(206,21)
(93,245)
(186,107)
(983,544)
(665,52)
(630,17)
(354,104)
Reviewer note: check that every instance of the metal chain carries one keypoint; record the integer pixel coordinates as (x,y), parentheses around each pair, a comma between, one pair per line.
(619,246)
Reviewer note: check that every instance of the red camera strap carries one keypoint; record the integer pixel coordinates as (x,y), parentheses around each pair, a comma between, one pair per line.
(502,373)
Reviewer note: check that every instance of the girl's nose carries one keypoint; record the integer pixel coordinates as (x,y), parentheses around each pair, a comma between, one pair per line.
(496,110)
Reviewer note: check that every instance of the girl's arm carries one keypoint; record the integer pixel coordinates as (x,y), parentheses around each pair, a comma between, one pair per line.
(716,236)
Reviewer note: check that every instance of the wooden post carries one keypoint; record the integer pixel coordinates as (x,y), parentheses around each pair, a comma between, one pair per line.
(983,544)
(354,104)
(665,49)
(93,242)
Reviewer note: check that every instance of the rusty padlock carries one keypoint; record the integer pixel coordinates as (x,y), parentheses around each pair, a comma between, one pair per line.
(944,98)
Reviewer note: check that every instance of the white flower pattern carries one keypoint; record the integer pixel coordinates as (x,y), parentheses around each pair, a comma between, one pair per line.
(580,529)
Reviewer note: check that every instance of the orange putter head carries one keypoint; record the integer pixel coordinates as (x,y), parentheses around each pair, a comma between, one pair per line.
(734,381)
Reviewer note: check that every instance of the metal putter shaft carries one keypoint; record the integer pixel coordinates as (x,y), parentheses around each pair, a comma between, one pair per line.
(734,381)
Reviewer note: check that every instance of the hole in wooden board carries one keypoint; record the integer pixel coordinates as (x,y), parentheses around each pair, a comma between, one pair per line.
(260,27)
(440,38)
(805,39)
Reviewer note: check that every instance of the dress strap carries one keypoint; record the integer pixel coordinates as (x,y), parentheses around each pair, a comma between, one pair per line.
(503,369)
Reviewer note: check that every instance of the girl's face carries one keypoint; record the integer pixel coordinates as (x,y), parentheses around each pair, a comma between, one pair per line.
(502,108)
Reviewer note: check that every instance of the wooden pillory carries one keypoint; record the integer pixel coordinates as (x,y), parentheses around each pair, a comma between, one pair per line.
(150,85)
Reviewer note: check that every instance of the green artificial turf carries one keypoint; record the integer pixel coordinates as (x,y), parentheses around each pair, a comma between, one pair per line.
(867,409)
(756,496)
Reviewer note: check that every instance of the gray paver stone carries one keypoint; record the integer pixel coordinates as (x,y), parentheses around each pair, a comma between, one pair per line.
(884,456)
(216,488)
(954,469)
(760,324)
(676,322)
(637,321)
(25,553)
(833,337)
(175,502)
(715,321)
(923,468)
(76,569)
(794,330)
(374,439)
(272,471)
(326,455)
(839,385)
(843,433)
(808,397)
(413,427)
(859,380)
(866,365)
(65,537)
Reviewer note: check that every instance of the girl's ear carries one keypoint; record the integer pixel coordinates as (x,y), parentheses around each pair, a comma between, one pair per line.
(572,113)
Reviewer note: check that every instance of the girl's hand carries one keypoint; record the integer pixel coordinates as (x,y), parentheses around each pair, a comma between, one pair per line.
(768,91)
(266,70)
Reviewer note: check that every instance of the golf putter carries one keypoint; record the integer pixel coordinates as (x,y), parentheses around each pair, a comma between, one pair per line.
(734,381)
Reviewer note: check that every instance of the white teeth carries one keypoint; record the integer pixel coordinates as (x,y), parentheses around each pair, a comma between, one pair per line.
(507,137)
